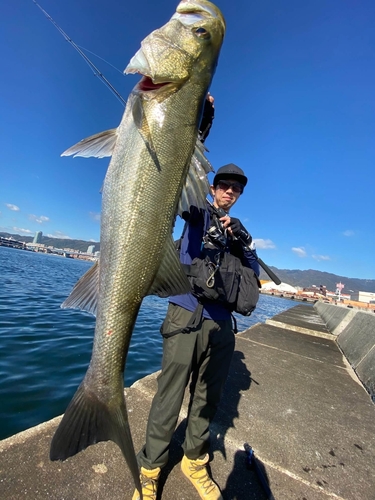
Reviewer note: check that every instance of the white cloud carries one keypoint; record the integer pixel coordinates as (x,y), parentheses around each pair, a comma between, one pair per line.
(321,257)
(59,234)
(40,219)
(19,230)
(348,233)
(14,208)
(300,251)
(95,216)
(264,244)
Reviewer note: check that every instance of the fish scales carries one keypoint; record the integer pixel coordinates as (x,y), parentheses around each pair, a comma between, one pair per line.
(151,154)
(139,193)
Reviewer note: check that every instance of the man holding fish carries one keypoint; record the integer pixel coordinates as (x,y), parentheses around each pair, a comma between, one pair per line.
(157,171)
(201,354)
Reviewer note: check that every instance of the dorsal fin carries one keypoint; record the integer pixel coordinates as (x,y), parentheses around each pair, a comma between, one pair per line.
(85,292)
(196,186)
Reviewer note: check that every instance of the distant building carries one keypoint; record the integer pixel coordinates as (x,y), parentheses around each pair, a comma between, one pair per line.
(91,249)
(38,237)
(311,289)
(367,297)
(334,295)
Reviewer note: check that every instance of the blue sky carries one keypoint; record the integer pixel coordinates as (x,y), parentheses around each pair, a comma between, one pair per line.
(295,108)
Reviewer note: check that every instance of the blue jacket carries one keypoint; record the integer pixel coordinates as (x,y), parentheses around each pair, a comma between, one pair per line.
(191,243)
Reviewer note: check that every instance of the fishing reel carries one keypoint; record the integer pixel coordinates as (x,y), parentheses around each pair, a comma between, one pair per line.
(216,235)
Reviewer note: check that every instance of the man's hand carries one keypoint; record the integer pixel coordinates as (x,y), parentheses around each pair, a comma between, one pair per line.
(236,229)
(207,118)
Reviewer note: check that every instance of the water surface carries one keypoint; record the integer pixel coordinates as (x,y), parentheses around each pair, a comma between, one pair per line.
(45,350)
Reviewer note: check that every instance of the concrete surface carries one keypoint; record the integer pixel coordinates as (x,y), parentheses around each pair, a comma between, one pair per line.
(301,319)
(292,397)
(335,317)
(366,372)
(358,338)
(355,331)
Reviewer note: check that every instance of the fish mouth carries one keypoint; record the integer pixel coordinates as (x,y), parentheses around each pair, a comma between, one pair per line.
(146,84)
(139,65)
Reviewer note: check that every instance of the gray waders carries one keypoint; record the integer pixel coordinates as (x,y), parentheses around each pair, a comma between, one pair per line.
(205,353)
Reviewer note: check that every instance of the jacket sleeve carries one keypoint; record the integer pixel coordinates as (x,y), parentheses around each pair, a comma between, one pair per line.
(195,221)
(250,260)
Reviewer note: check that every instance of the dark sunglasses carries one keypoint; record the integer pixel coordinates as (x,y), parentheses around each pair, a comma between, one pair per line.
(235,186)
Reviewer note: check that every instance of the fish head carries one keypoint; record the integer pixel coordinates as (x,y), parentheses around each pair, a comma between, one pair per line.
(186,48)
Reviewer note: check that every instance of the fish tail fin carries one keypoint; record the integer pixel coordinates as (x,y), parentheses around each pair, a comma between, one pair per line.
(88,421)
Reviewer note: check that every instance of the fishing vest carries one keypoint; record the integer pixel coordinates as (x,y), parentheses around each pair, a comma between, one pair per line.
(218,276)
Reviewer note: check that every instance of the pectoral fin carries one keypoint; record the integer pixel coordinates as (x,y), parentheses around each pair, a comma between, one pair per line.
(140,121)
(98,145)
(170,278)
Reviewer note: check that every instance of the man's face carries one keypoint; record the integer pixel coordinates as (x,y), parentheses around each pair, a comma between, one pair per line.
(226,193)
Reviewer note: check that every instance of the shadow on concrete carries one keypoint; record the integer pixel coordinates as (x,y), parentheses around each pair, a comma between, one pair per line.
(175,456)
(242,483)
(239,380)
(245,484)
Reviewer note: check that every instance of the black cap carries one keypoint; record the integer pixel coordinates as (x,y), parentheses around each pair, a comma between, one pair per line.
(230,171)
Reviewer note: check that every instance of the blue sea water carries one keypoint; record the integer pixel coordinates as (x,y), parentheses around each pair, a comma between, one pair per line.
(45,350)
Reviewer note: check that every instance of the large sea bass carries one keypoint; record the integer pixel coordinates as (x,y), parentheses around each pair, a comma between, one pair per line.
(155,172)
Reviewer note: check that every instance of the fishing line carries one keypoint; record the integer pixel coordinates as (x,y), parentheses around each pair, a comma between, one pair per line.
(91,65)
(96,55)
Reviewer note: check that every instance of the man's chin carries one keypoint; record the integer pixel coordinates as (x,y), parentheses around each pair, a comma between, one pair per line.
(226,205)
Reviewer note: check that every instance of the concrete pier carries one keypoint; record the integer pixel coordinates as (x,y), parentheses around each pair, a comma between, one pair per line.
(291,394)
(355,331)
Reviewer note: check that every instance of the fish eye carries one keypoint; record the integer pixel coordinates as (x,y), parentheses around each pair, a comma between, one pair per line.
(202,33)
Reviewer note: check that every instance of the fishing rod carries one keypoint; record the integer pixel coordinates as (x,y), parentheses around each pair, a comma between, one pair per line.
(100,75)
(91,65)
(221,213)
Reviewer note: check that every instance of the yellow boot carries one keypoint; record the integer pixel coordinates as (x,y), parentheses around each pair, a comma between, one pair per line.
(149,482)
(196,472)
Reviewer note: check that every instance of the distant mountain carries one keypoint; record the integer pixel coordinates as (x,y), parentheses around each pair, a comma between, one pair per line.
(293,277)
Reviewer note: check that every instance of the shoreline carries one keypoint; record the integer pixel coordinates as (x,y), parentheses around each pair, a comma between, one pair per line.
(290,394)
